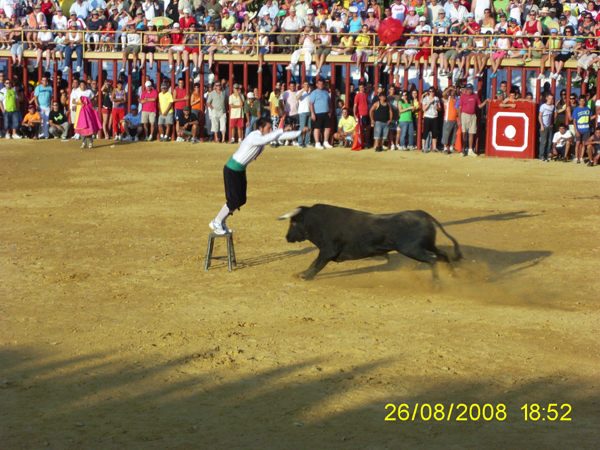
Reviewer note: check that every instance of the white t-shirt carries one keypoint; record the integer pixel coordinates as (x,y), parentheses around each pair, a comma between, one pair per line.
(45,36)
(398,11)
(59,23)
(303,102)
(429,105)
(547,112)
(559,139)
(291,102)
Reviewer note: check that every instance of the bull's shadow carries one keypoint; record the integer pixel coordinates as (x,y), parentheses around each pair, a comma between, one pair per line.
(500,263)
(493,218)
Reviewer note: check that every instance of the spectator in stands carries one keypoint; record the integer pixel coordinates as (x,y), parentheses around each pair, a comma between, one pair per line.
(177,47)
(450,127)
(10,110)
(236,114)
(593,148)
(268,24)
(307,40)
(546,117)
(346,129)
(43,100)
(319,112)
(363,47)
(165,111)
(216,103)
(322,46)
(74,43)
(561,143)
(431,108)
(30,127)
(44,45)
(467,116)
(581,117)
(132,125)
(134,46)
(94,25)
(148,101)
(119,102)
(59,122)
(381,116)
(187,126)
(252,112)
(82,9)
(269,8)
(291,24)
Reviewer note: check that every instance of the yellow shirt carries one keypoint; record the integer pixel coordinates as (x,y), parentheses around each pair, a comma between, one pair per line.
(165,100)
(347,125)
(362,41)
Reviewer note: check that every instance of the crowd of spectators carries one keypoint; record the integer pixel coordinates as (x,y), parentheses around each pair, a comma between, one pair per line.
(444,36)
(388,118)
(440,39)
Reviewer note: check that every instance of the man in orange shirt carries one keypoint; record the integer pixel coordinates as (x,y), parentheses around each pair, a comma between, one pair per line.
(31,124)
(450,114)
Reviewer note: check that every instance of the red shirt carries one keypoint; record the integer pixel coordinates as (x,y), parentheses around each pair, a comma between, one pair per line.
(149,106)
(468,103)
(362,104)
(177,38)
(185,23)
(179,93)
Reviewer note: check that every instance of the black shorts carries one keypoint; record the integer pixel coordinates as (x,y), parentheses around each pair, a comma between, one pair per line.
(235,188)
(322,120)
(430,125)
(365,121)
(582,137)
(563,58)
(132,132)
(148,48)
(292,120)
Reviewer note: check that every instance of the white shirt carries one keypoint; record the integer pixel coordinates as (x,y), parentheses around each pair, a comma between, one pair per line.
(148,8)
(133,39)
(8,6)
(255,142)
(45,36)
(459,13)
(291,102)
(398,11)
(290,24)
(559,139)
(59,23)
(273,10)
(76,94)
(303,102)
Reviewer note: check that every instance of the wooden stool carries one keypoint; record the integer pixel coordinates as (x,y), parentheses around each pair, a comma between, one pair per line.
(230,250)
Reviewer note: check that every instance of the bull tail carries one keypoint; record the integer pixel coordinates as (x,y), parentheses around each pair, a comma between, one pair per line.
(457,253)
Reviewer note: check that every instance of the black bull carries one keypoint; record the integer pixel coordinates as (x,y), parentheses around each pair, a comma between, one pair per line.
(343,234)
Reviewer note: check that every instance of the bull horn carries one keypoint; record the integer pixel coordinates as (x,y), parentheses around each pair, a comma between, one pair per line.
(290,214)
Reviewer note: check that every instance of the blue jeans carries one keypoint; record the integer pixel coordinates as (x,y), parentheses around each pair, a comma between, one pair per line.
(305,121)
(12,120)
(253,120)
(78,49)
(407,129)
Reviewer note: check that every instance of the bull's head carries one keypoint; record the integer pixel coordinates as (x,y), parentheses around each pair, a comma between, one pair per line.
(297,231)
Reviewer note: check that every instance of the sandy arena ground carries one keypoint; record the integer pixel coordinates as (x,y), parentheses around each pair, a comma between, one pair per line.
(114,337)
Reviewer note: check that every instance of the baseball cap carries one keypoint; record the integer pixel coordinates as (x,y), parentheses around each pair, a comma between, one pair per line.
(267,13)
(187,11)
(553,30)
(426,28)
(73,13)
(553,10)
(250,94)
(225,11)
(499,92)
(187,108)
(133,106)
(246,13)
(31,106)
(2,11)
(441,30)
(469,86)
(236,86)
(519,33)
(503,30)
(353,9)
(175,25)
(164,86)
(59,8)
(370,10)
(422,19)
(537,33)
(310,11)
(148,83)
(470,15)
(411,8)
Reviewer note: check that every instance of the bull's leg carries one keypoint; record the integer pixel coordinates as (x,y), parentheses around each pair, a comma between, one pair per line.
(317,265)
(427,256)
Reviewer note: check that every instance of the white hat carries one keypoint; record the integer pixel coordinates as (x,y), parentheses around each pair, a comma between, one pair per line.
(370,10)
(422,19)
(250,95)
(310,11)
(148,83)
(175,25)
(187,11)
(426,28)
(262,31)
(441,30)
(353,9)
(519,33)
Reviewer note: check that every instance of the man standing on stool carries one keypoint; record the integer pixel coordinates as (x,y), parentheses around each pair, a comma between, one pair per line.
(234,172)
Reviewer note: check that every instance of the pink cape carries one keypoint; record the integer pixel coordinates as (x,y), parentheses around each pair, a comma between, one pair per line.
(88,120)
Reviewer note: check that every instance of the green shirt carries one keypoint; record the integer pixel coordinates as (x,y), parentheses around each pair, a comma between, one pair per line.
(405,116)
(9,97)
(502,5)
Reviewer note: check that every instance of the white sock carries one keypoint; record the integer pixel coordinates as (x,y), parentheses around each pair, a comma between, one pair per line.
(223,214)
